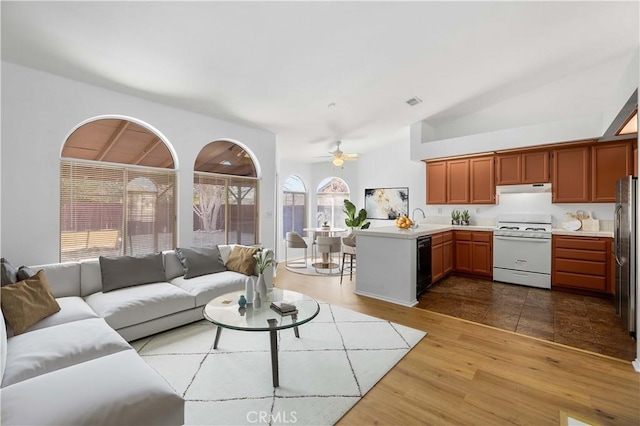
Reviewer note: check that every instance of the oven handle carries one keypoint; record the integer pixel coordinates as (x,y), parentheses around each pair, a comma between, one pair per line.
(532,240)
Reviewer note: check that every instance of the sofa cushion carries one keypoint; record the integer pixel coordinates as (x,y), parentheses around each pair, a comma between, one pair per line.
(71,309)
(27,302)
(127,271)
(3,346)
(207,287)
(52,348)
(134,305)
(8,272)
(172,266)
(64,278)
(199,261)
(241,259)
(225,252)
(118,389)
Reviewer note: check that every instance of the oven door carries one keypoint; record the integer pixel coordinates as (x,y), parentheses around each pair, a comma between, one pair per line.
(522,254)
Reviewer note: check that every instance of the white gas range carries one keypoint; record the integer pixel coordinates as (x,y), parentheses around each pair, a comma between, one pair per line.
(522,249)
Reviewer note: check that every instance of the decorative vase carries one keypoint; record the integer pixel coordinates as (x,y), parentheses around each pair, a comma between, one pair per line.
(261,287)
(257,302)
(242,301)
(248,290)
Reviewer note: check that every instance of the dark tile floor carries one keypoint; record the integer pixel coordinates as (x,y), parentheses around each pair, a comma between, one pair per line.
(580,321)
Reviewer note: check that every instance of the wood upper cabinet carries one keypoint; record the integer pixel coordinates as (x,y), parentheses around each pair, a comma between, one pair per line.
(525,167)
(437,182)
(571,169)
(535,167)
(482,178)
(458,181)
(609,162)
(509,169)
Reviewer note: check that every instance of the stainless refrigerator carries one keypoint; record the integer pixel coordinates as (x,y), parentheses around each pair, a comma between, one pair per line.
(625,252)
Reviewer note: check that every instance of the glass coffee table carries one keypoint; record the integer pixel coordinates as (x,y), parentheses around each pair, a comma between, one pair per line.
(225,312)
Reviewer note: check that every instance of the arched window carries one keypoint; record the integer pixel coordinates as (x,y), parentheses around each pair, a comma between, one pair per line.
(331,194)
(117,183)
(294,205)
(225,195)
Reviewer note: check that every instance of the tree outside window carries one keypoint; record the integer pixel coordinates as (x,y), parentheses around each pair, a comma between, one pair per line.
(331,193)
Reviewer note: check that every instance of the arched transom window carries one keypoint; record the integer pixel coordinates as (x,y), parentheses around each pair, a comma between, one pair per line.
(225,194)
(331,193)
(117,191)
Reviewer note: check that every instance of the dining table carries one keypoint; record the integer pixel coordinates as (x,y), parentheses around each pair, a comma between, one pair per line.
(323,232)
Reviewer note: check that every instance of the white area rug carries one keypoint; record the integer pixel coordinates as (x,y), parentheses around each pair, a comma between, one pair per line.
(310,270)
(338,358)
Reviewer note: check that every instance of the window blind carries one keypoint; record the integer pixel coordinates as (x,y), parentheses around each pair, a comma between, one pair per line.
(110,210)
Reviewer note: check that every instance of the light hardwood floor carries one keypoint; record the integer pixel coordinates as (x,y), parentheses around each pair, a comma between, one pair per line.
(465,373)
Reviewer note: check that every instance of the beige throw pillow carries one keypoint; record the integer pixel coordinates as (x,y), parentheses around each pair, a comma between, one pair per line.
(241,260)
(27,302)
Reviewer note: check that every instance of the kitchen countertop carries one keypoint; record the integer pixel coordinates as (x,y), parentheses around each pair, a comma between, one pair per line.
(428,229)
(562,231)
(422,230)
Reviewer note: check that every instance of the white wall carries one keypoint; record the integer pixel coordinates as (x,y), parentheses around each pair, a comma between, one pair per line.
(38,112)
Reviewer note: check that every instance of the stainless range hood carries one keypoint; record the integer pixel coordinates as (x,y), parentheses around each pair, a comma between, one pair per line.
(524,189)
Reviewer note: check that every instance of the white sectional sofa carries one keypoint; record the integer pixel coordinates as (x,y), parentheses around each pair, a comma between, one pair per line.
(75,367)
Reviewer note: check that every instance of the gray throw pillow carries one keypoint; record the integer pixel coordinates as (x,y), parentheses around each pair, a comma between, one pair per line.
(25,273)
(199,261)
(8,273)
(128,271)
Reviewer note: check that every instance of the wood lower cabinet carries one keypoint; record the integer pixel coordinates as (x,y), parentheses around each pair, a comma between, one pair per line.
(441,255)
(581,264)
(474,253)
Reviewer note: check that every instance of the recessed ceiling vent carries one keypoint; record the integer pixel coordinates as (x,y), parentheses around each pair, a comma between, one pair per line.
(414,101)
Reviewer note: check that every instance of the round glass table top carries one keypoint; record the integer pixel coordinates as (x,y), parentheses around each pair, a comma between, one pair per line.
(225,311)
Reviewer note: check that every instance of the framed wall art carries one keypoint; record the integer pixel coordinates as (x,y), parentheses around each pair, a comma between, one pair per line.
(386,203)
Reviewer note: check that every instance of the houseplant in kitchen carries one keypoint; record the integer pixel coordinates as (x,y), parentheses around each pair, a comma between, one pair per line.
(455,217)
(464,217)
(355,220)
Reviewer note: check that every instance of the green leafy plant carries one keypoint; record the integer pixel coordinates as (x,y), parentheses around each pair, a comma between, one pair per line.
(464,216)
(455,215)
(355,220)
(262,260)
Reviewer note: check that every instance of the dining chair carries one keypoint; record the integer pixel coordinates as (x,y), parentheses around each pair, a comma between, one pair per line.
(295,241)
(326,247)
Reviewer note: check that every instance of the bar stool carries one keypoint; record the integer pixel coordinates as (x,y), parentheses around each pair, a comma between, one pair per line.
(348,249)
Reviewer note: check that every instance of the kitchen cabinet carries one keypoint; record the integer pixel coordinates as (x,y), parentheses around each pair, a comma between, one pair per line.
(609,162)
(581,264)
(441,255)
(522,167)
(482,180)
(473,253)
(461,181)
(570,180)
(458,181)
(437,182)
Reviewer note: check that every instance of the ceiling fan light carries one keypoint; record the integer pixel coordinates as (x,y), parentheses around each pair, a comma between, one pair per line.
(338,161)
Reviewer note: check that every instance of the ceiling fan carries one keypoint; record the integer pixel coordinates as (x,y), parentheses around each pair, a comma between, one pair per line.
(340,157)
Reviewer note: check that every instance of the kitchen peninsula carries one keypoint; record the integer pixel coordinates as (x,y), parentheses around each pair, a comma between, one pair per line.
(388,260)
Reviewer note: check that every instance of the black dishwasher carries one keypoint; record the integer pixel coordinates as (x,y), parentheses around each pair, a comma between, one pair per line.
(423,273)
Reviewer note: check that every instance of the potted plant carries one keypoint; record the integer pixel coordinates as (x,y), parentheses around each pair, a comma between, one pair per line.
(263,262)
(464,217)
(355,220)
(455,217)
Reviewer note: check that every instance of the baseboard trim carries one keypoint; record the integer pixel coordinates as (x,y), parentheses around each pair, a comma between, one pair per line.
(387,299)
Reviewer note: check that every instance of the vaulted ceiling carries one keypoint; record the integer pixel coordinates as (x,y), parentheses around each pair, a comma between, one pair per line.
(317,72)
